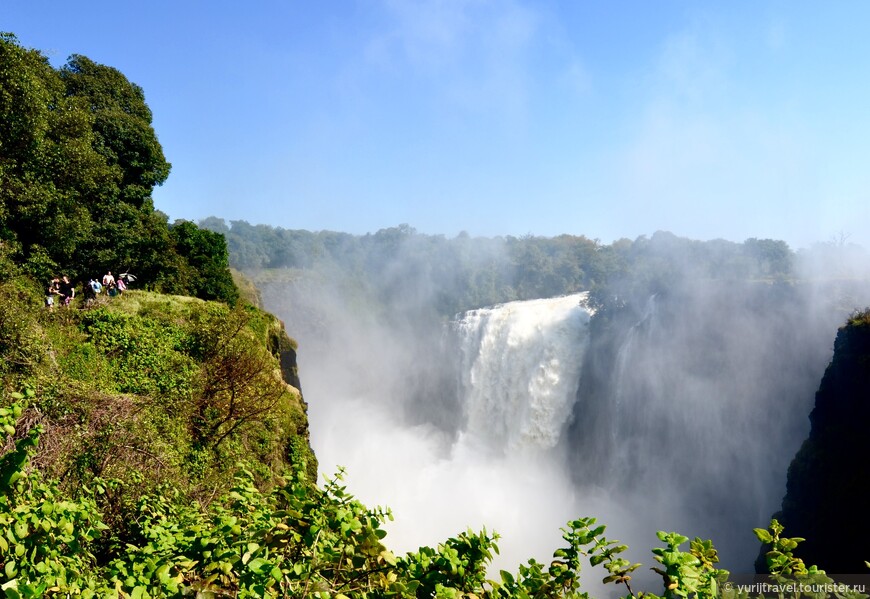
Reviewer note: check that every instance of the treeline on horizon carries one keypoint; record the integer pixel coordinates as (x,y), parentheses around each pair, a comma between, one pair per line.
(466,272)
(79,160)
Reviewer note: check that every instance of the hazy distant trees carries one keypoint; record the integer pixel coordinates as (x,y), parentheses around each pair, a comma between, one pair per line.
(772,258)
(467,272)
(79,160)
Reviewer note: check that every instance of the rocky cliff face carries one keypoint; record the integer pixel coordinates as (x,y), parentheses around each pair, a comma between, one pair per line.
(284,350)
(829,480)
(675,403)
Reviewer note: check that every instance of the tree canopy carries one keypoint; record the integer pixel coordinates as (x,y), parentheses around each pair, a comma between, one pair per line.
(469,272)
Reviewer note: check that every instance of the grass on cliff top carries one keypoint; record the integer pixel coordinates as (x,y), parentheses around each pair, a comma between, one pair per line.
(176,389)
(860,318)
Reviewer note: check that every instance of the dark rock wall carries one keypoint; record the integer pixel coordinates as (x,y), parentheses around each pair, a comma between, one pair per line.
(692,406)
(827,498)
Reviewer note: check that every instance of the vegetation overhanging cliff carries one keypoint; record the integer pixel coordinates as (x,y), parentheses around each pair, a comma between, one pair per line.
(172,386)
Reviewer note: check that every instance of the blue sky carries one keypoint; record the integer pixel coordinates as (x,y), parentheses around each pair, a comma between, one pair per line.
(608,119)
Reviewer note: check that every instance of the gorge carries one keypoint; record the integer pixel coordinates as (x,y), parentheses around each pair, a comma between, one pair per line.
(681,415)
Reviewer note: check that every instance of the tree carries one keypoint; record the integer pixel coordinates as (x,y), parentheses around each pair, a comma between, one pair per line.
(122,126)
(773,257)
(47,162)
(239,382)
(79,160)
(207,273)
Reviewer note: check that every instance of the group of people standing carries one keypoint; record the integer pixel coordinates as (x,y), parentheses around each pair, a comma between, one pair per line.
(62,289)
(110,285)
(65,291)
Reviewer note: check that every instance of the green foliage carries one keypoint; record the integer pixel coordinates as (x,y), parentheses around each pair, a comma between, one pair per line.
(21,348)
(688,574)
(860,318)
(452,275)
(297,540)
(207,273)
(45,539)
(121,125)
(773,258)
(144,353)
(239,385)
(456,566)
(167,388)
(781,561)
(207,376)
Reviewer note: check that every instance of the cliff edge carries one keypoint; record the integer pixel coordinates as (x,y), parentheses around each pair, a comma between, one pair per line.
(828,483)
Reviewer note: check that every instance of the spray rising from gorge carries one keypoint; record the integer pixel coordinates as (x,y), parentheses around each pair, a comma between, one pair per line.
(680,401)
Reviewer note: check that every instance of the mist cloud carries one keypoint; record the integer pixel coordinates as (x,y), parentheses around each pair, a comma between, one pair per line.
(686,416)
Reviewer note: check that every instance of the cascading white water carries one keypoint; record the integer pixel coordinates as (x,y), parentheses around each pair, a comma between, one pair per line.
(693,410)
(628,348)
(520,363)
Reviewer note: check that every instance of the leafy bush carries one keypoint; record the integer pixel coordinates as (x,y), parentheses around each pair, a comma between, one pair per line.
(860,318)
(21,346)
(144,353)
(46,538)
(298,540)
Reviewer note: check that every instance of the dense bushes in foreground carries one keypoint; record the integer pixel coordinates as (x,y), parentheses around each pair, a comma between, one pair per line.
(295,540)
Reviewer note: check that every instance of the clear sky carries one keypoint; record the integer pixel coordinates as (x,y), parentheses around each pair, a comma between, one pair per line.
(609,119)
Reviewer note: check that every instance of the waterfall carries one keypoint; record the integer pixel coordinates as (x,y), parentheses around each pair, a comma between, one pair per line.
(682,415)
(627,351)
(520,363)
